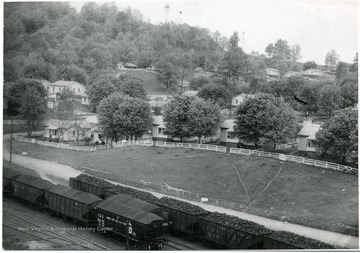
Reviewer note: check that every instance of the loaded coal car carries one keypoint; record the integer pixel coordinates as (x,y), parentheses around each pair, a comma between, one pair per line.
(8,176)
(145,229)
(230,232)
(90,184)
(67,202)
(141,204)
(31,189)
(287,240)
(104,189)
(183,216)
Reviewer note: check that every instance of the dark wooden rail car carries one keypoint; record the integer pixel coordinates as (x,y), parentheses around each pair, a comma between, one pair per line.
(8,175)
(143,227)
(71,203)
(31,188)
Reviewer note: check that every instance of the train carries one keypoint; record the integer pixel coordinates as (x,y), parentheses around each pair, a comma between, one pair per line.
(144,218)
(217,230)
(142,223)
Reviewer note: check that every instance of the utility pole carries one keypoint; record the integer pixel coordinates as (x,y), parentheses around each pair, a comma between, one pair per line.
(11,131)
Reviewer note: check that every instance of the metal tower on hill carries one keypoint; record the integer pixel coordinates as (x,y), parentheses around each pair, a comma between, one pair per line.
(166,13)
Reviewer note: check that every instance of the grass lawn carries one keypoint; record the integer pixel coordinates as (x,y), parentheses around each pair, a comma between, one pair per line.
(285,191)
(151,84)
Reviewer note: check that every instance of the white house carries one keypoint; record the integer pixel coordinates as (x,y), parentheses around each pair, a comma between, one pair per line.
(307,136)
(313,73)
(238,99)
(292,73)
(76,87)
(272,74)
(158,128)
(227,135)
(66,130)
(120,66)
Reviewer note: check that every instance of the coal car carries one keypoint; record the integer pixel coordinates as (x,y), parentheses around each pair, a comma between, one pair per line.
(71,203)
(31,188)
(8,175)
(145,229)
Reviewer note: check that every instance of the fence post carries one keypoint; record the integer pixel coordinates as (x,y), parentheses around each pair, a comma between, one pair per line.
(216,148)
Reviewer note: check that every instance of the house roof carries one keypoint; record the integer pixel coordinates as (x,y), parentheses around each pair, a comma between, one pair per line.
(66,83)
(309,131)
(228,124)
(308,70)
(242,95)
(66,124)
(130,65)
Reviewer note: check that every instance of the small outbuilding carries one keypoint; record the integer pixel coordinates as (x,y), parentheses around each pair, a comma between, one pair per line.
(307,136)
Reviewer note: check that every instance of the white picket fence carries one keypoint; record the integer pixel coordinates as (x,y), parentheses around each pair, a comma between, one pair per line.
(216,148)
(296,159)
(190,145)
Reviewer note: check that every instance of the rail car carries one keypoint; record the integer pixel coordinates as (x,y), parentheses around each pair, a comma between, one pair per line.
(146,229)
(219,230)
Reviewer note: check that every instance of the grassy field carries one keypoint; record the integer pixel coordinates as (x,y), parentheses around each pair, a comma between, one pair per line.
(285,191)
(152,85)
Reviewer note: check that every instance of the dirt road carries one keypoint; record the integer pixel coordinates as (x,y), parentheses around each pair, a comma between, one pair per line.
(59,173)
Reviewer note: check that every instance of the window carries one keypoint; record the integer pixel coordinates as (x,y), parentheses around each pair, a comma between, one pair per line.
(84,99)
(236,101)
(59,88)
(161,131)
(79,90)
(231,135)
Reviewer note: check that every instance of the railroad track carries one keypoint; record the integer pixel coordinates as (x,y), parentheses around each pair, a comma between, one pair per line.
(177,245)
(17,218)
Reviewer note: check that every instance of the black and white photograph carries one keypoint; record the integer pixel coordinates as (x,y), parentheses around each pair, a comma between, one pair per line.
(180,125)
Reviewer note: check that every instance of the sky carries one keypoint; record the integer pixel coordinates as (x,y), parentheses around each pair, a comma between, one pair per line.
(318,26)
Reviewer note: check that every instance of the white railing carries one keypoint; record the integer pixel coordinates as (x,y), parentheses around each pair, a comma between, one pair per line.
(190,145)
(216,148)
(296,159)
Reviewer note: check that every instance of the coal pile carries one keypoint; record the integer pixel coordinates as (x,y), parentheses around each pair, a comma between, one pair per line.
(182,206)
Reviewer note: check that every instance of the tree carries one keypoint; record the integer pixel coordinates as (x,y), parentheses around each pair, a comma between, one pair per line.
(185,64)
(132,117)
(342,70)
(309,95)
(354,66)
(62,114)
(106,115)
(204,118)
(101,88)
(338,137)
(33,108)
(15,90)
(330,99)
(309,65)
(265,119)
(234,61)
(79,128)
(176,117)
(218,94)
(133,86)
(198,82)
(280,50)
(167,70)
(349,90)
(331,58)
(295,53)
